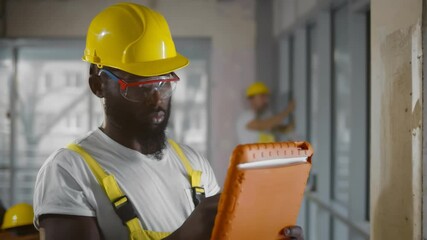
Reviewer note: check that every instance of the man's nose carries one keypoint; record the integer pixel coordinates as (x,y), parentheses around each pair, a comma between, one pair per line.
(156,98)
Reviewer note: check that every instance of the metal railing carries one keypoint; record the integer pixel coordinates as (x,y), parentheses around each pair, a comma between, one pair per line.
(359,228)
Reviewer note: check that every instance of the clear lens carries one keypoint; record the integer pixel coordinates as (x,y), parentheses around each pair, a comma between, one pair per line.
(139,91)
(143,91)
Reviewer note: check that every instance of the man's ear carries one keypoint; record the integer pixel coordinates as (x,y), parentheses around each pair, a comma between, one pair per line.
(95,84)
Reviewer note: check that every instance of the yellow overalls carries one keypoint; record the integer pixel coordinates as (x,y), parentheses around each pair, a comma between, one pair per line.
(122,204)
(264,137)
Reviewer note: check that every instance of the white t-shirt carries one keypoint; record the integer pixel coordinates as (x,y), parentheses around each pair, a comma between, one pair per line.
(245,135)
(159,189)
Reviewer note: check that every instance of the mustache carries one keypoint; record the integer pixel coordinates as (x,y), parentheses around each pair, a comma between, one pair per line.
(158,109)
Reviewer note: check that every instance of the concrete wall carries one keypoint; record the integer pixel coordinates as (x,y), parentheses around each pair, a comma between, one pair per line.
(424,128)
(230,26)
(396,119)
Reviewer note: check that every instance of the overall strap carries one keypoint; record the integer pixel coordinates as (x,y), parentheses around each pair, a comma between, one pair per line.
(120,201)
(264,137)
(194,175)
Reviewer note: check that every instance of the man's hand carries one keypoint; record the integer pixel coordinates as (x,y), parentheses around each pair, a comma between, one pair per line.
(291,106)
(293,233)
(199,224)
(285,129)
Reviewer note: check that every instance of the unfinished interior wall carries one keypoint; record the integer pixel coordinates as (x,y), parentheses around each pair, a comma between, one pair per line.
(229,25)
(424,209)
(396,119)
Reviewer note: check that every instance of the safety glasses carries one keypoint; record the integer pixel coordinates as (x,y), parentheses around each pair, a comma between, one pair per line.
(139,91)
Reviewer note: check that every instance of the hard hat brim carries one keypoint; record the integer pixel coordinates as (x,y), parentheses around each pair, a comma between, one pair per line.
(154,68)
(258,93)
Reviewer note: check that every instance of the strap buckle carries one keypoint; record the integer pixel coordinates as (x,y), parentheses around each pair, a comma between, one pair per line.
(124,209)
(198,194)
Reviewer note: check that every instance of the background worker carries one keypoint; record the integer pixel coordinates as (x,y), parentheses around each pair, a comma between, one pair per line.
(18,223)
(258,125)
(125,180)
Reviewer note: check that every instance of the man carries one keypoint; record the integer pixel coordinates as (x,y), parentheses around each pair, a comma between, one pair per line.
(125,180)
(258,125)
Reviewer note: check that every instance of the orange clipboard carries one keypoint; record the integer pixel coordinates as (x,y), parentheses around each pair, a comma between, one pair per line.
(263,191)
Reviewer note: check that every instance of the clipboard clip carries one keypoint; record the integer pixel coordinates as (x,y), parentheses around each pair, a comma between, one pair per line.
(198,194)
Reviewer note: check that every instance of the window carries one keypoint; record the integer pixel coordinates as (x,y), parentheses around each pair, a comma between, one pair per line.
(292,65)
(54,106)
(313,109)
(189,122)
(341,116)
(312,85)
(73,122)
(48,81)
(341,106)
(42,103)
(6,70)
(368,111)
(337,95)
(284,91)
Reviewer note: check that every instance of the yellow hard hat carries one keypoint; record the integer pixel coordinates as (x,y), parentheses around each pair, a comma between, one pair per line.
(18,215)
(257,88)
(132,38)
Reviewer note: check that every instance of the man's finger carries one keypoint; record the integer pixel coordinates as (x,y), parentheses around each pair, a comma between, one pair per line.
(293,231)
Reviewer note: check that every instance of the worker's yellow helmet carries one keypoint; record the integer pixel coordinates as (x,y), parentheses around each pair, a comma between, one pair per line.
(257,88)
(18,215)
(132,38)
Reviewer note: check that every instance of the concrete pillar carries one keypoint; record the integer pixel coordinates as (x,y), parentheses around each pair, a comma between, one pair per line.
(396,119)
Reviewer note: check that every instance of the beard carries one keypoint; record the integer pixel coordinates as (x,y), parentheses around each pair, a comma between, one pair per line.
(136,119)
